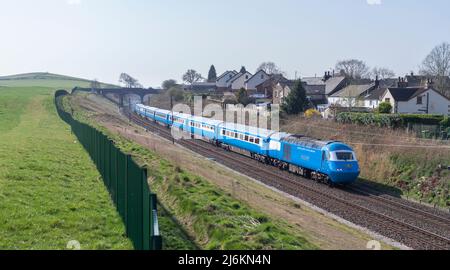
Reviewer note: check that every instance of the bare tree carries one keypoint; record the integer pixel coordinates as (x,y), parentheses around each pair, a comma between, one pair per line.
(382,73)
(129,81)
(270,68)
(437,65)
(191,76)
(353,68)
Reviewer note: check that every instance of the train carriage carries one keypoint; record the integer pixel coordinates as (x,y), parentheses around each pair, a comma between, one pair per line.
(146,111)
(162,116)
(179,120)
(251,139)
(203,127)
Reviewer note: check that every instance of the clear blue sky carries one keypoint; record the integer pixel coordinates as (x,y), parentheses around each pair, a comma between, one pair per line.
(155,40)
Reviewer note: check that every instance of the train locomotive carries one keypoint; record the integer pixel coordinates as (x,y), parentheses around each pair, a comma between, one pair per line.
(330,162)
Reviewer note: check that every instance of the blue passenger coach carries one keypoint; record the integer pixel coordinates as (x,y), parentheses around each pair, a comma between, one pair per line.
(244,137)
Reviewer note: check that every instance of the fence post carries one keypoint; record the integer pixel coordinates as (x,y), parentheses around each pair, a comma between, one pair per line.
(146,212)
(155,236)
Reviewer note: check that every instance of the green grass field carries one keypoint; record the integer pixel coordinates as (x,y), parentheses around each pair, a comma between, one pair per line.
(50,191)
(45,80)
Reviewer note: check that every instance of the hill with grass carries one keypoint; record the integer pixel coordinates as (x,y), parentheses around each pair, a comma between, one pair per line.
(45,79)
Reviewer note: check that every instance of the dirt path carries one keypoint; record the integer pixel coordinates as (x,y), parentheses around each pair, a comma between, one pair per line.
(320,229)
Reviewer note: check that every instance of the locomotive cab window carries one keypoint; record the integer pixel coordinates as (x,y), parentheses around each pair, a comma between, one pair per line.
(344,156)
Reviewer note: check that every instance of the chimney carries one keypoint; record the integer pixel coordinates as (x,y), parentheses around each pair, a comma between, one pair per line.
(429,84)
(377,82)
(327,76)
(402,83)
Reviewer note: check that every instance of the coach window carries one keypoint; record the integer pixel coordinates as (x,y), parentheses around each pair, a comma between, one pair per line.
(252,140)
(246,138)
(257,141)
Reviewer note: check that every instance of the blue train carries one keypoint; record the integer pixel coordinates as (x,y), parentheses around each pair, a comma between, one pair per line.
(331,162)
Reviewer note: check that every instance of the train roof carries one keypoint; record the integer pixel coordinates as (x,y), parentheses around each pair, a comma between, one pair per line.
(306,141)
(248,129)
(147,107)
(205,120)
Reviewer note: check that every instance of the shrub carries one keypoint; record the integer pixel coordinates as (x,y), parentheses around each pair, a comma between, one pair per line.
(426,119)
(370,119)
(389,120)
(445,122)
(385,107)
(311,113)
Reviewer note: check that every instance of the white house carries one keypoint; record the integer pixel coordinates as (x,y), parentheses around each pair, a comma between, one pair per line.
(373,100)
(257,79)
(352,95)
(238,81)
(417,100)
(222,81)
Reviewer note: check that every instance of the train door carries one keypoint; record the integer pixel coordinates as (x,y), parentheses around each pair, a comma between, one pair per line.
(287,150)
(324,163)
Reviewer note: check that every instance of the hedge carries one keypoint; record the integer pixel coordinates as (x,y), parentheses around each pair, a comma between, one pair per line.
(388,120)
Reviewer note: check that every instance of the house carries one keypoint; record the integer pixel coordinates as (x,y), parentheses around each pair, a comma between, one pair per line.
(352,95)
(255,80)
(373,100)
(314,93)
(417,100)
(281,90)
(222,80)
(238,81)
(268,86)
(332,83)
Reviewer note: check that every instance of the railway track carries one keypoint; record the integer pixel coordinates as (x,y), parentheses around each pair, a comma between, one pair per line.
(358,206)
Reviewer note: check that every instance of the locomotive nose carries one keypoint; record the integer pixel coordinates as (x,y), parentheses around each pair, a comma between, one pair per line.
(345,172)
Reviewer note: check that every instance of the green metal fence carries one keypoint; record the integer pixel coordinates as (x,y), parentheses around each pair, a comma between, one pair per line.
(125,180)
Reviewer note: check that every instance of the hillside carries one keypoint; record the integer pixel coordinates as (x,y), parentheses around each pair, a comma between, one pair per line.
(44,79)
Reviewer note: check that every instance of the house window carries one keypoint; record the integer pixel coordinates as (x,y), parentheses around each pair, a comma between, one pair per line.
(262,76)
(419,100)
(388,100)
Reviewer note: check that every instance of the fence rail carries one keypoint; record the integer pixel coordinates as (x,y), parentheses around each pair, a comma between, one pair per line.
(125,180)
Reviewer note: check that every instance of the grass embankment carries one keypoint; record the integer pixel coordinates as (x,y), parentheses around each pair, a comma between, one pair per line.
(42,79)
(391,158)
(50,191)
(213,218)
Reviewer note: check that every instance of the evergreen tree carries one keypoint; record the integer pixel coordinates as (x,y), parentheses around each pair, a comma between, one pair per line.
(242,97)
(296,101)
(212,75)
